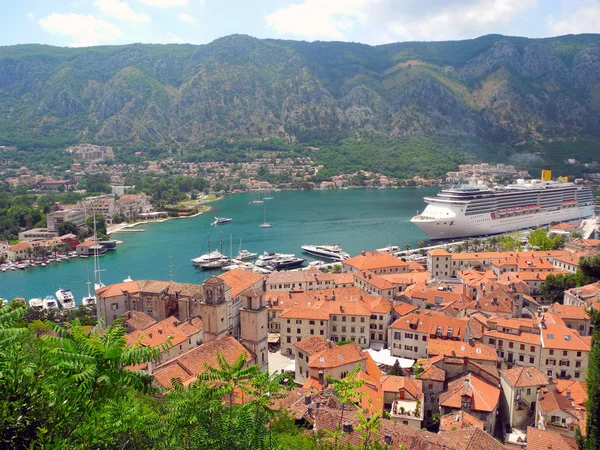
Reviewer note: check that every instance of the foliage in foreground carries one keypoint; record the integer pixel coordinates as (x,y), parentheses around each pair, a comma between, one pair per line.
(68,387)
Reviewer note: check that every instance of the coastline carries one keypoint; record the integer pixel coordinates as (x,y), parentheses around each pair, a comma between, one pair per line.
(125,226)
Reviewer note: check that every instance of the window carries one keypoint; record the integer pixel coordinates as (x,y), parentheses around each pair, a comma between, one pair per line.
(300,355)
(298,331)
(380,317)
(532,349)
(577,363)
(521,358)
(500,342)
(576,374)
(343,329)
(289,330)
(311,322)
(579,354)
(408,335)
(565,353)
(362,329)
(343,318)
(522,347)
(335,318)
(288,321)
(528,391)
(424,338)
(531,360)
(298,321)
(362,319)
(352,329)
(334,328)
(551,352)
(352,319)
(510,344)
(492,341)
(312,331)
(321,332)
(114,306)
(322,322)
(289,339)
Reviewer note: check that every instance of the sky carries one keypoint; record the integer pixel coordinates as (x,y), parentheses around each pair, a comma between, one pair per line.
(81,23)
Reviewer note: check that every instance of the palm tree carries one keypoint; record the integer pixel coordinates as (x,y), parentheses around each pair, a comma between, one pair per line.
(407,247)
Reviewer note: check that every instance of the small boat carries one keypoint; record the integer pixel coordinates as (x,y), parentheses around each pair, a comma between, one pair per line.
(286,263)
(221,220)
(261,270)
(36,303)
(333,252)
(265,224)
(128,279)
(389,249)
(50,302)
(257,202)
(43,264)
(268,197)
(267,258)
(65,298)
(243,255)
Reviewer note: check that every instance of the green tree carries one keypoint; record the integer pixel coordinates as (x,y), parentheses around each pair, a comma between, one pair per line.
(396,369)
(590,266)
(346,391)
(67,228)
(592,438)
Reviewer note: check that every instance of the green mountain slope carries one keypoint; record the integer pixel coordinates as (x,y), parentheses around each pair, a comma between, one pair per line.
(497,89)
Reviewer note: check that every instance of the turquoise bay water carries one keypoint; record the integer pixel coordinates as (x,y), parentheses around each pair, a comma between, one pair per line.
(357,219)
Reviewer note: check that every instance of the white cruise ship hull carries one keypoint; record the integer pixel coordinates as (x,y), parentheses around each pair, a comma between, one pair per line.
(467,210)
(460,226)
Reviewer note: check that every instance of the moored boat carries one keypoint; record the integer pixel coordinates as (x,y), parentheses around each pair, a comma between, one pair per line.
(36,303)
(65,298)
(221,220)
(50,302)
(333,252)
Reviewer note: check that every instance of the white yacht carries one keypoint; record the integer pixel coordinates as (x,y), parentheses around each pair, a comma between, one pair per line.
(89,299)
(265,224)
(36,303)
(333,252)
(476,210)
(244,255)
(389,249)
(221,220)
(266,259)
(65,298)
(50,302)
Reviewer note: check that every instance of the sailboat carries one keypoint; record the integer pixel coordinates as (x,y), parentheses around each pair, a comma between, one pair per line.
(265,224)
(243,255)
(214,260)
(268,197)
(97,279)
(89,299)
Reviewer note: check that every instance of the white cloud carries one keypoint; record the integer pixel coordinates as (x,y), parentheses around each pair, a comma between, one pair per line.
(186,18)
(85,30)
(458,21)
(165,3)
(378,21)
(30,16)
(317,19)
(174,37)
(583,20)
(121,11)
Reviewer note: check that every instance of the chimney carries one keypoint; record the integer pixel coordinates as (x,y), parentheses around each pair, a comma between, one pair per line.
(568,394)
(387,439)
(307,399)
(347,427)
(150,335)
(159,332)
(471,342)
(363,253)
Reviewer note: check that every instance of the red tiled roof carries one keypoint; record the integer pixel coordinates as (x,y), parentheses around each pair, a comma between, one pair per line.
(313,344)
(458,420)
(459,349)
(483,396)
(525,377)
(393,383)
(538,439)
(239,280)
(339,355)
(374,260)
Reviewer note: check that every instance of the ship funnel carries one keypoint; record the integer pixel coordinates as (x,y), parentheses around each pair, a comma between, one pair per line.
(546,175)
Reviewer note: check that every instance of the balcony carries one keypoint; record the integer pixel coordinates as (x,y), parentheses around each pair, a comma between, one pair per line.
(407,409)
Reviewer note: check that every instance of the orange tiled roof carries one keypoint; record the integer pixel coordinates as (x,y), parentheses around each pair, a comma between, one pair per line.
(300,312)
(525,338)
(538,439)
(117,289)
(525,377)
(138,320)
(403,309)
(427,322)
(556,335)
(484,396)
(553,401)
(570,312)
(299,276)
(577,390)
(438,252)
(169,328)
(239,280)
(375,280)
(458,349)
(458,420)
(403,279)
(374,260)
(313,344)
(393,383)
(471,438)
(194,362)
(339,355)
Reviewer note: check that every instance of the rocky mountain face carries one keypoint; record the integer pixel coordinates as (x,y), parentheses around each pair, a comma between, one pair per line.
(496,88)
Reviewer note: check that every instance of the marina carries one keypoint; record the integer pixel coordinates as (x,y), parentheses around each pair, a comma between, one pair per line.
(357,219)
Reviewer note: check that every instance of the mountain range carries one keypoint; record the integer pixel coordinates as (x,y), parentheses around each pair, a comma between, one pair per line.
(498,89)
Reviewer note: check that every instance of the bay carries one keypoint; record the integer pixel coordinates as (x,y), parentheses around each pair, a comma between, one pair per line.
(357,219)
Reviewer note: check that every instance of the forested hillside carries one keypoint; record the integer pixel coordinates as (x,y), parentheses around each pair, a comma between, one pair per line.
(492,91)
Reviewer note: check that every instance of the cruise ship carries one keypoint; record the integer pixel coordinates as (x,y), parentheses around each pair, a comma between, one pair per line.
(477,210)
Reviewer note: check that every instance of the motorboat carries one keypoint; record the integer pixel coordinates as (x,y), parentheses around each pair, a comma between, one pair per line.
(333,252)
(50,302)
(36,303)
(244,255)
(389,249)
(214,264)
(257,202)
(88,300)
(286,263)
(65,298)
(208,257)
(261,270)
(267,258)
(221,220)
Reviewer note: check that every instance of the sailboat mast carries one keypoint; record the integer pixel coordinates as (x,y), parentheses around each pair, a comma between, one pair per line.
(230,246)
